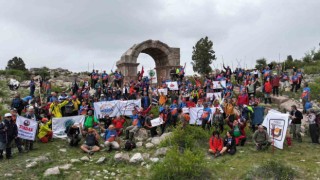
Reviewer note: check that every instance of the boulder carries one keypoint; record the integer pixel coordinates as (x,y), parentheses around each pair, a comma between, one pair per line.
(101,160)
(139,144)
(145,156)
(154,160)
(85,159)
(122,157)
(32,164)
(161,152)
(63,150)
(287,105)
(149,145)
(136,158)
(41,159)
(141,135)
(52,171)
(279,100)
(165,136)
(65,167)
(75,161)
(155,140)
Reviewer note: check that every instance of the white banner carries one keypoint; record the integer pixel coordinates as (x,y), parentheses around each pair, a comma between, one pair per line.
(277,125)
(126,107)
(115,108)
(156,122)
(196,113)
(59,125)
(165,91)
(216,84)
(27,128)
(218,96)
(105,108)
(173,86)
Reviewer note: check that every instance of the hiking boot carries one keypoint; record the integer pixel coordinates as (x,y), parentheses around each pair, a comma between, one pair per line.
(90,153)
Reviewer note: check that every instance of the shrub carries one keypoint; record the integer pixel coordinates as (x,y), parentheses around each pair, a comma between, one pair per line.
(312,68)
(191,137)
(181,165)
(16,74)
(272,170)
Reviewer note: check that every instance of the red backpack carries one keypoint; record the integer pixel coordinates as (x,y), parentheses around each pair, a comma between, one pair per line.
(268,87)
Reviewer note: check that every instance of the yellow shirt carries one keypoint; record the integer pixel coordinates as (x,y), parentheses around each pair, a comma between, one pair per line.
(56,109)
(44,129)
(76,104)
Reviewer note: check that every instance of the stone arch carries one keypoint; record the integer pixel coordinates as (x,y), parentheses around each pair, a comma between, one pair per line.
(165,58)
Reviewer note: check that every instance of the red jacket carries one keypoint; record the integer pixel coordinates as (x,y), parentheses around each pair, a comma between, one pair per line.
(216,144)
(118,124)
(243,99)
(276,81)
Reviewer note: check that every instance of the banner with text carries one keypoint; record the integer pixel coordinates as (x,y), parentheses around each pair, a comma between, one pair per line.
(59,125)
(27,128)
(173,86)
(196,113)
(276,124)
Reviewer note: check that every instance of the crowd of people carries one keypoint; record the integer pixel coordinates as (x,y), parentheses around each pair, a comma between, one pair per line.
(239,107)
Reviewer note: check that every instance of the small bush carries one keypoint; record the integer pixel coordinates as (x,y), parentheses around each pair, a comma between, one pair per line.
(272,170)
(181,165)
(312,68)
(191,137)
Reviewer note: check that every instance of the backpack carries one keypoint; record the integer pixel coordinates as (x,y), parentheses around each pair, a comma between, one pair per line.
(129,145)
(69,108)
(268,88)
(16,103)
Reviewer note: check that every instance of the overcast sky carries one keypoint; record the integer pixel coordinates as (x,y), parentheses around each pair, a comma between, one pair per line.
(73,34)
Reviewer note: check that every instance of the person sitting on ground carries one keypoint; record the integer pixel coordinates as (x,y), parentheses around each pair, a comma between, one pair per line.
(45,132)
(73,133)
(261,138)
(118,124)
(239,132)
(148,125)
(229,144)
(110,139)
(91,140)
(136,125)
(215,143)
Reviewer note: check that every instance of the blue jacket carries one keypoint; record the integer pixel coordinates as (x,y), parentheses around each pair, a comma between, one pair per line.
(110,133)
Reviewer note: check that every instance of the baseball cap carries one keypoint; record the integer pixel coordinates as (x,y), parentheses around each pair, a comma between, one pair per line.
(7,115)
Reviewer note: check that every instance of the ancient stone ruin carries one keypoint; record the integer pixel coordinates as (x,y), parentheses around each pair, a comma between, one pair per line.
(165,58)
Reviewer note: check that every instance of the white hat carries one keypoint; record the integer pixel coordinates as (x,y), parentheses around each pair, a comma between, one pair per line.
(8,115)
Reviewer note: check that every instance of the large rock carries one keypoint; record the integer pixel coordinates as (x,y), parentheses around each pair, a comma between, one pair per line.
(155,140)
(141,135)
(165,136)
(279,100)
(287,105)
(41,159)
(145,156)
(65,167)
(101,160)
(32,164)
(154,160)
(139,144)
(75,161)
(85,159)
(52,171)
(122,157)
(149,145)
(136,158)
(161,152)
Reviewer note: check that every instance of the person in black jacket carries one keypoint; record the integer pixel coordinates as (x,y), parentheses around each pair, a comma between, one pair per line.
(73,133)
(8,132)
(17,103)
(229,144)
(296,117)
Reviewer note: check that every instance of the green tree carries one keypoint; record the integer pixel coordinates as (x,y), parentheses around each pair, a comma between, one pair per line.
(43,72)
(202,56)
(261,63)
(16,63)
(316,56)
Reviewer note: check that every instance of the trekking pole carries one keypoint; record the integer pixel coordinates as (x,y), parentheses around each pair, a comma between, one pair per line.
(273,143)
